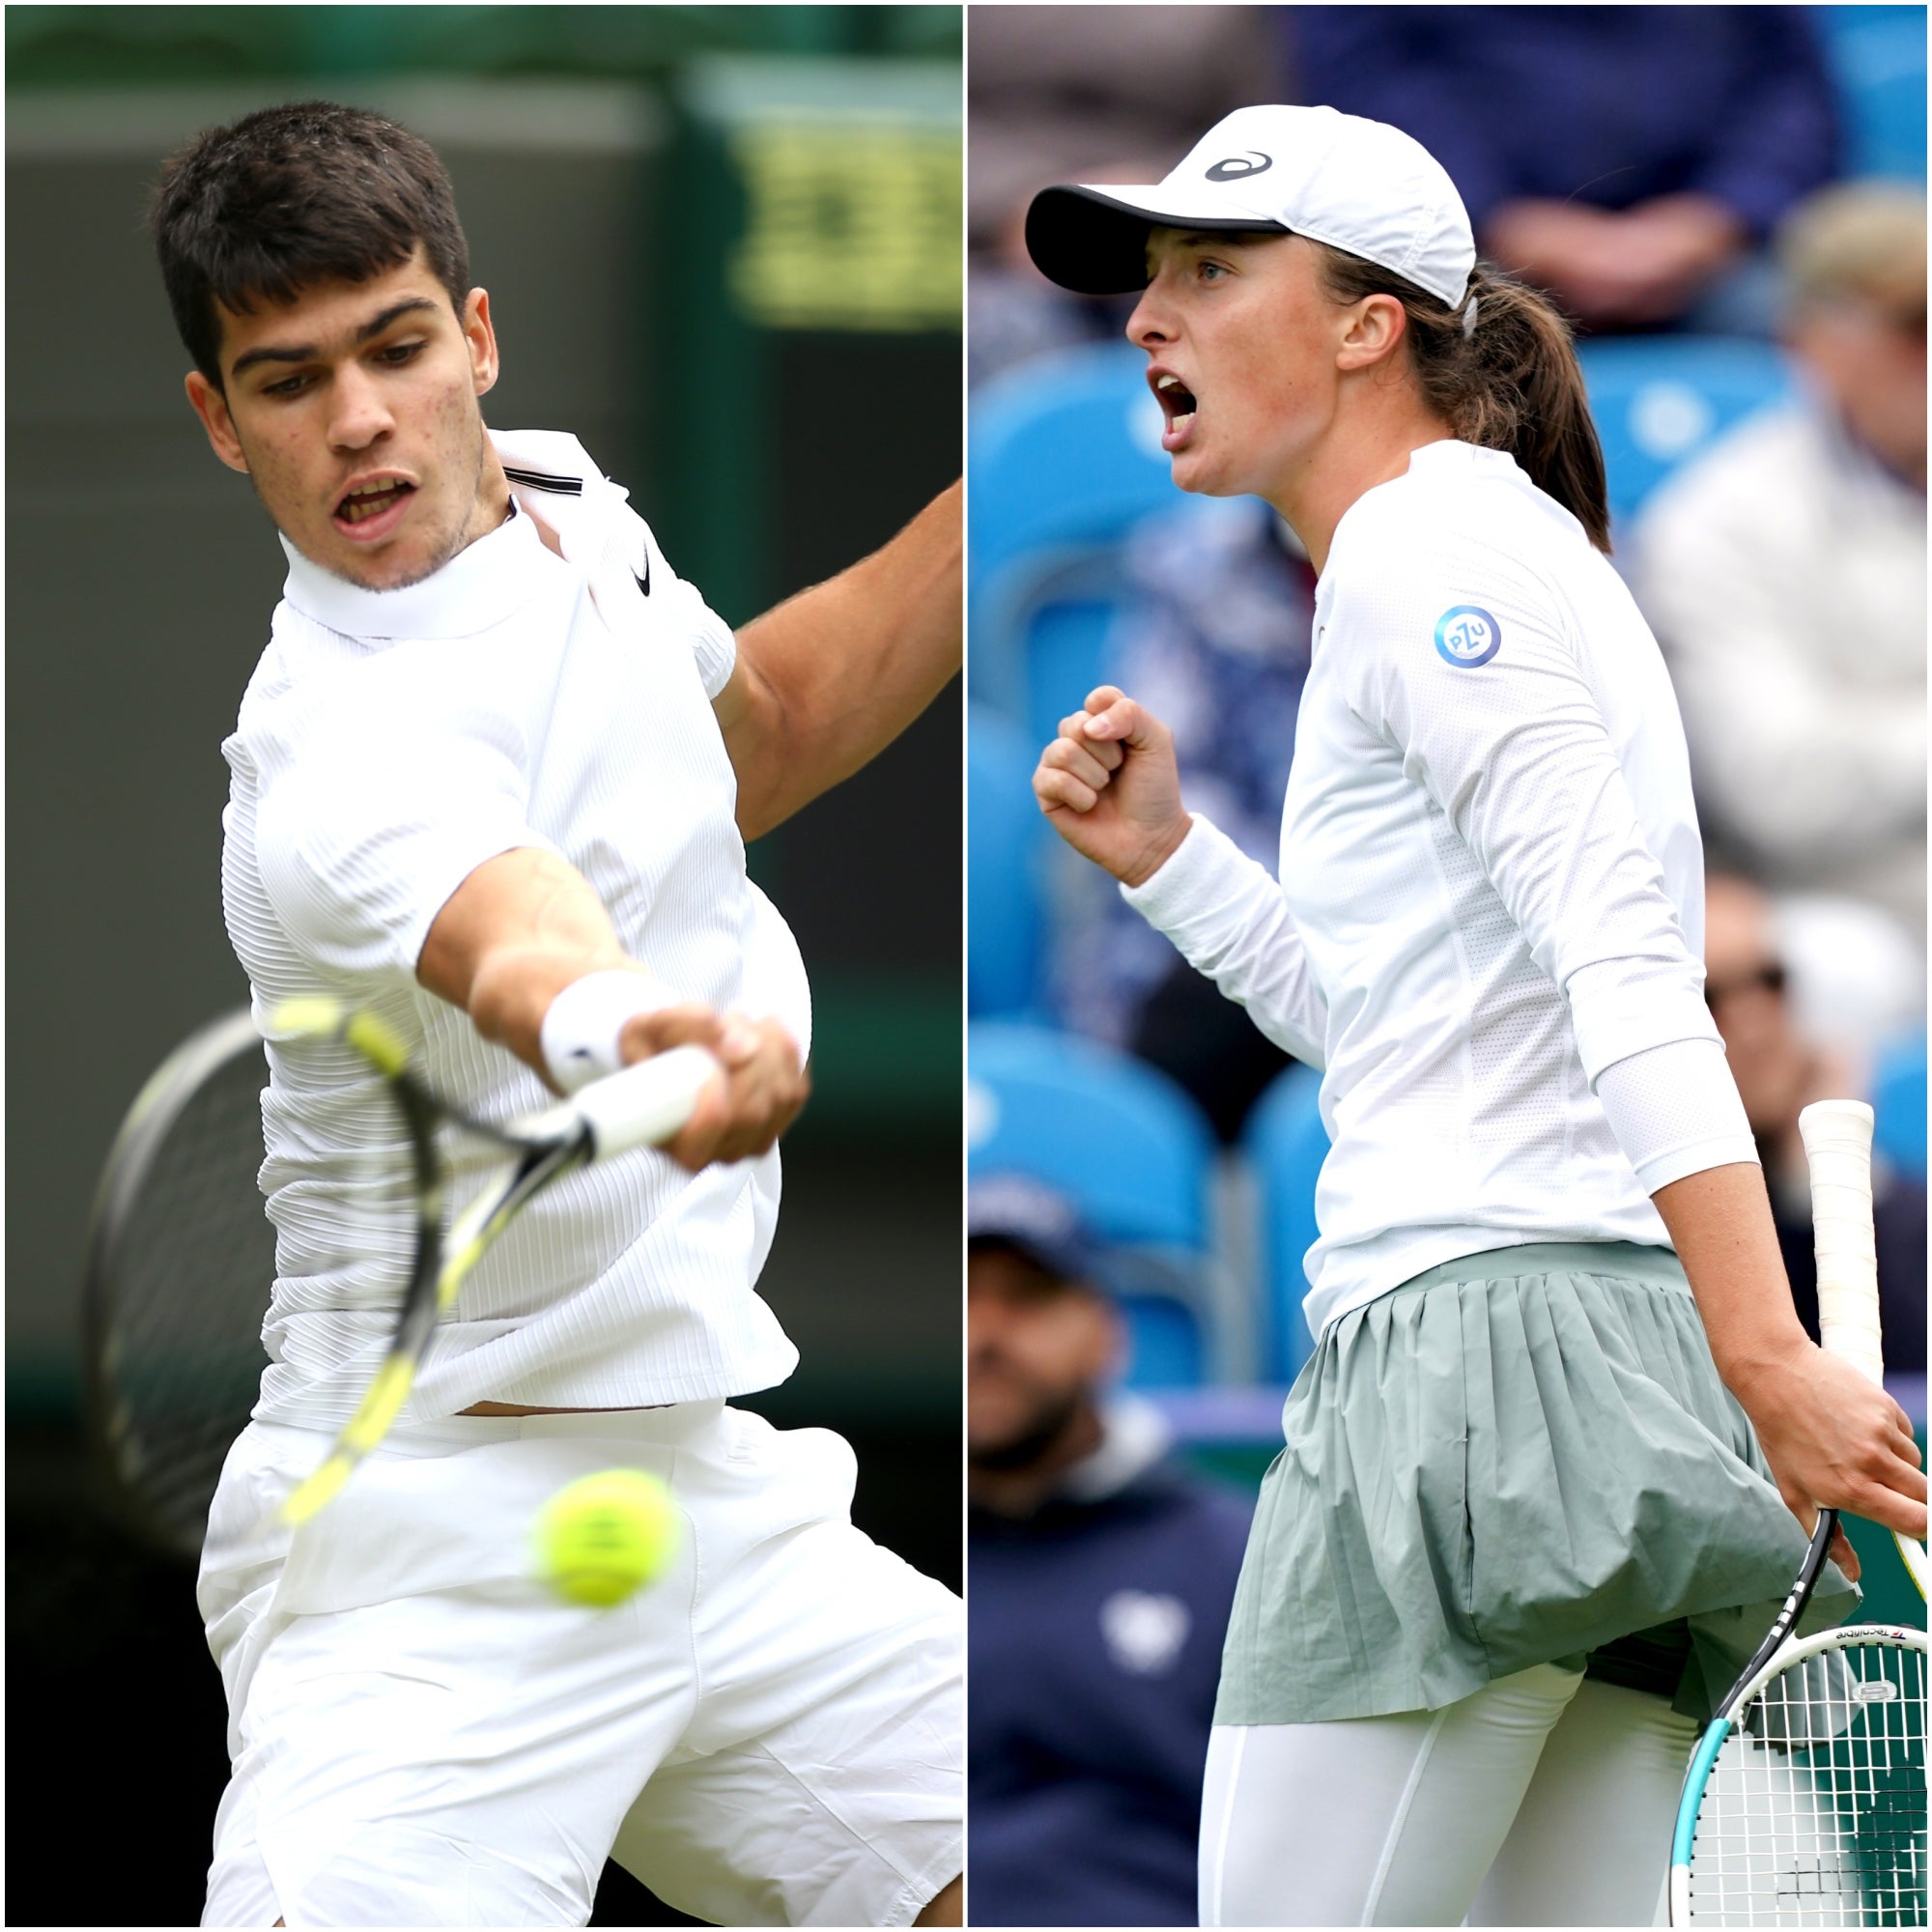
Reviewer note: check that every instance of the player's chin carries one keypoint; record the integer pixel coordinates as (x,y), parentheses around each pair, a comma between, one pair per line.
(417,550)
(1196,470)
(391,567)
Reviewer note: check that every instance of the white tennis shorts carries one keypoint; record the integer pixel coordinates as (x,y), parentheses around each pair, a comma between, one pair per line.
(422,1734)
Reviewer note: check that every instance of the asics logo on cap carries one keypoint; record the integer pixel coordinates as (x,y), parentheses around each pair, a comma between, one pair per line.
(1467,636)
(1237,166)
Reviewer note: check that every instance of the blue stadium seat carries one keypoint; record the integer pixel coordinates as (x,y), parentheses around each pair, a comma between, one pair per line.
(1659,400)
(1130,1150)
(1166,1347)
(1065,640)
(1876,56)
(1286,1144)
(1898,1101)
(1065,458)
(1006,839)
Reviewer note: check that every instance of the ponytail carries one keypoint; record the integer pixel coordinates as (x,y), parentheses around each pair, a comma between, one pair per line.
(1501,372)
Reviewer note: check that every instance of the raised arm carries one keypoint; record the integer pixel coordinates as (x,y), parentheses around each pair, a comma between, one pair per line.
(828,679)
(524,928)
(1109,785)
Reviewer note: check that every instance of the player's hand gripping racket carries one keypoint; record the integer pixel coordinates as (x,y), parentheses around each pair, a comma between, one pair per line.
(178,1213)
(1805,1803)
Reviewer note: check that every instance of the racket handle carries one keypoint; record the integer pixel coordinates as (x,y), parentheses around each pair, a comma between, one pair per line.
(1838,1149)
(646,1104)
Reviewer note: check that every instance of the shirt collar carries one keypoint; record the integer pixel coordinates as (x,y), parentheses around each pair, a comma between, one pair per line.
(477,588)
(1430,459)
(1450,453)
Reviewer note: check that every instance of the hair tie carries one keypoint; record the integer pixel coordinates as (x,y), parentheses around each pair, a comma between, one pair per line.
(1469,308)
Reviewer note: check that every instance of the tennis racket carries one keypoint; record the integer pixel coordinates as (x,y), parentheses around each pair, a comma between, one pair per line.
(1805,1803)
(183,1259)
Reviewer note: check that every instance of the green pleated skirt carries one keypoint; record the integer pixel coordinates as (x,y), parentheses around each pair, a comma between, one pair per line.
(1520,1457)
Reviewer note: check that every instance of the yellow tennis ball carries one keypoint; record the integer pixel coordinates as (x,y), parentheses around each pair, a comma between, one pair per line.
(600,1537)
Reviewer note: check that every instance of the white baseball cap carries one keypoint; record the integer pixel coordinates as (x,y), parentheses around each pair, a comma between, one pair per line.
(1362,186)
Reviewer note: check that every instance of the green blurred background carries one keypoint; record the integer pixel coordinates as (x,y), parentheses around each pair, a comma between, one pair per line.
(722,246)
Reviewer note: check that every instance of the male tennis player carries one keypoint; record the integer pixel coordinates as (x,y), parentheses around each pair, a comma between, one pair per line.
(492,778)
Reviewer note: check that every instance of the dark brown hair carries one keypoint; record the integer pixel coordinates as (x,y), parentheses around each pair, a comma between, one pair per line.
(1511,383)
(293,196)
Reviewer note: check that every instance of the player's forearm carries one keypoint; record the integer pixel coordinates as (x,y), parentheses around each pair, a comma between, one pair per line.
(518,930)
(1720,1225)
(1831,1436)
(832,677)
(1226,915)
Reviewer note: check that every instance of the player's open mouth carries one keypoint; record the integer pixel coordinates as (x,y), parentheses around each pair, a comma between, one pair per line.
(372,509)
(1177,405)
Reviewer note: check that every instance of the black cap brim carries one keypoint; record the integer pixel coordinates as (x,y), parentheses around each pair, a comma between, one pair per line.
(1067,1261)
(1096,244)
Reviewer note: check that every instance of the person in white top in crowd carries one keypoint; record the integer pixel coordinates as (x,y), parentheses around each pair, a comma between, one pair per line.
(1784,574)
(492,778)
(1527,1512)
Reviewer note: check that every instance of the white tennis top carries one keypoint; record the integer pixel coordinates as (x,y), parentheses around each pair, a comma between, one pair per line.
(389,743)
(1490,892)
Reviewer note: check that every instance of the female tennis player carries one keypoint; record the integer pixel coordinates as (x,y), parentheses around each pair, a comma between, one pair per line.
(1551,1466)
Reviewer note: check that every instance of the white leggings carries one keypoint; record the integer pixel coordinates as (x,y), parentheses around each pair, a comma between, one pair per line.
(1546,1799)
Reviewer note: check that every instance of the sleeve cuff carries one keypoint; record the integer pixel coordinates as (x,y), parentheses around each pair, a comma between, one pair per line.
(442,869)
(714,646)
(1203,874)
(1675,1110)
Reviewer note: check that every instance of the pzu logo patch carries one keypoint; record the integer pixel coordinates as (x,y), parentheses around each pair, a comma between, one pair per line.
(1467,637)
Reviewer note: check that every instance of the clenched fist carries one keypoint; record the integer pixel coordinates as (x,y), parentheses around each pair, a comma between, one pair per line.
(1109,785)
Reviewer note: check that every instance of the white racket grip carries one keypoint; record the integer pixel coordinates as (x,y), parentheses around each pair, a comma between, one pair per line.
(646,1104)
(1837,1139)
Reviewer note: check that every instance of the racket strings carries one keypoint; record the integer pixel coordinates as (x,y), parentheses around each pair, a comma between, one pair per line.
(184,1287)
(1815,1811)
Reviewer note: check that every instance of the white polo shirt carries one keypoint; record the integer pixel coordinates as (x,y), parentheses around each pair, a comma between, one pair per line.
(1490,892)
(388,742)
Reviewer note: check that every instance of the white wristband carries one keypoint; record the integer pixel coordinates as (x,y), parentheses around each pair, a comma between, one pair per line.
(585,1026)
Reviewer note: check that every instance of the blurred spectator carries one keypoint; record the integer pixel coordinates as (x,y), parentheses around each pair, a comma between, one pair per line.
(1779,1071)
(1216,645)
(1858,977)
(1084,94)
(1630,160)
(1101,1577)
(1784,574)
